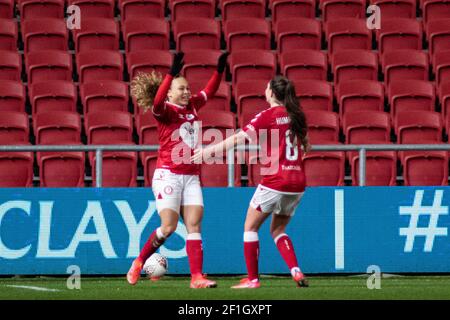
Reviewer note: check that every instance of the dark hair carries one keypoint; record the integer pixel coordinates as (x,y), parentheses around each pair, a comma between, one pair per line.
(284,92)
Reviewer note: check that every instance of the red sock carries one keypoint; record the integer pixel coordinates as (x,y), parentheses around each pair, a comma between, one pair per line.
(155,240)
(251,252)
(286,248)
(194,249)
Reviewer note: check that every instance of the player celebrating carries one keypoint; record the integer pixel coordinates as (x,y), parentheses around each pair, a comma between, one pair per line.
(176,183)
(279,192)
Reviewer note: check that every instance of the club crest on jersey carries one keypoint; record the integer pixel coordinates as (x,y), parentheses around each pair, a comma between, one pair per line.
(190,116)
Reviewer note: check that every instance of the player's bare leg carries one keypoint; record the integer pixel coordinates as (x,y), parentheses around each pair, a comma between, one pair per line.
(192,217)
(169,221)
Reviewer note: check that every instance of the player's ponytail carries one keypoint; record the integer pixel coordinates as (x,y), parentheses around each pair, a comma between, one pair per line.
(144,87)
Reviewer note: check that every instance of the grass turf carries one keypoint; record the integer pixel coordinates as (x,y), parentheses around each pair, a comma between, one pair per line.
(272,288)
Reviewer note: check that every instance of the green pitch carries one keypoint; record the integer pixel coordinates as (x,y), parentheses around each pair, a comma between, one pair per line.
(173,288)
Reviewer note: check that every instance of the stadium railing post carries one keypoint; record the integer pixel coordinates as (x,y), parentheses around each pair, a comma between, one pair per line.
(362,167)
(98,167)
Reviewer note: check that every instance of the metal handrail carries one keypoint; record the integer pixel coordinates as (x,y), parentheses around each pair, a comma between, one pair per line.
(99,149)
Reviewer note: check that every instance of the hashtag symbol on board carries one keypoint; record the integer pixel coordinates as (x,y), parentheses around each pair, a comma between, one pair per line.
(415,211)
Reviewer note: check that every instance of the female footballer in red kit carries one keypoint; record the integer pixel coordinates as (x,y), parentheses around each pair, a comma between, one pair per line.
(279,192)
(176,183)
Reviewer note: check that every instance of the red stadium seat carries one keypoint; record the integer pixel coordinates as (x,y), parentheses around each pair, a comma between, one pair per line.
(347,33)
(97,65)
(44,34)
(16,169)
(200,64)
(438,35)
(31,9)
(148,60)
(182,9)
(42,66)
(354,64)
(8,34)
(239,9)
(289,9)
(381,168)
(10,65)
(149,164)
(61,169)
(418,127)
(196,33)
(323,126)
(104,96)
(96,34)
(119,169)
(399,33)
(250,97)
(252,64)
(218,121)
(147,130)
(411,95)
(55,95)
(314,94)
(141,9)
(366,127)
(94,8)
(396,8)
(221,99)
(428,168)
(441,65)
(405,64)
(57,127)
(304,64)
(143,34)
(435,10)
(249,33)
(298,33)
(12,96)
(324,168)
(7,9)
(14,127)
(359,95)
(444,98)
(103,127)
(337,9)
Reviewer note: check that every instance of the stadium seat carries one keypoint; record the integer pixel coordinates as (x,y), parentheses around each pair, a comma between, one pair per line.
(104,127)
(223,121)
(381,168)
(324,168)
(7,9)
(366,127)
(304,64)
(411,95)
(250,97)
(323,126)
(441,65)
(181,9)
(48,65)
(396,8)
(31,9)
(57,127)
(119,168)
(143,34)
(289,9)
(12,96)
(141,9)
(221,99)
(238,9)
(97,65)
(418,127)
(299,33)
(61,169)
(438,35)
(337,9)
(405,64)
(314,94)
(444,98)
(249,33)
(354,64)
(104,96)
(54,95)
(425,168)
(147,130)
(148,60)
(196,33)
(96,34)
(149,163)
(252,64)
(8,34)
(44,34)
(14,127)
(94,8)
(16,169)
(399,33)
(359,95)
(435,10)
(199,65)
(10,65)
(347,33)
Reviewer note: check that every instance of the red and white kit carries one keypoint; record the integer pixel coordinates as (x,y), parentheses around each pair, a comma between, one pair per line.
(175,180)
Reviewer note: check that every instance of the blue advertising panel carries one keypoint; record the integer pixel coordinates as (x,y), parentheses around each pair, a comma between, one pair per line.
(334,230)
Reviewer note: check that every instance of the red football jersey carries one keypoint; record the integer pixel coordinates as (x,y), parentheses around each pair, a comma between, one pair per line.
(283,170)
(178,127)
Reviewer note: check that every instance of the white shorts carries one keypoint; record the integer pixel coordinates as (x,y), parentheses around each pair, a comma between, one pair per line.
(173,190)
(268,201)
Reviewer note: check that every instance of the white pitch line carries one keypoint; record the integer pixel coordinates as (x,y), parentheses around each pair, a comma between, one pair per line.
(34,288)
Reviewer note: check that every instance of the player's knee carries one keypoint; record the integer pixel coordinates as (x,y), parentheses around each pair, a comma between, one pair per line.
(275,232)
(167,230)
